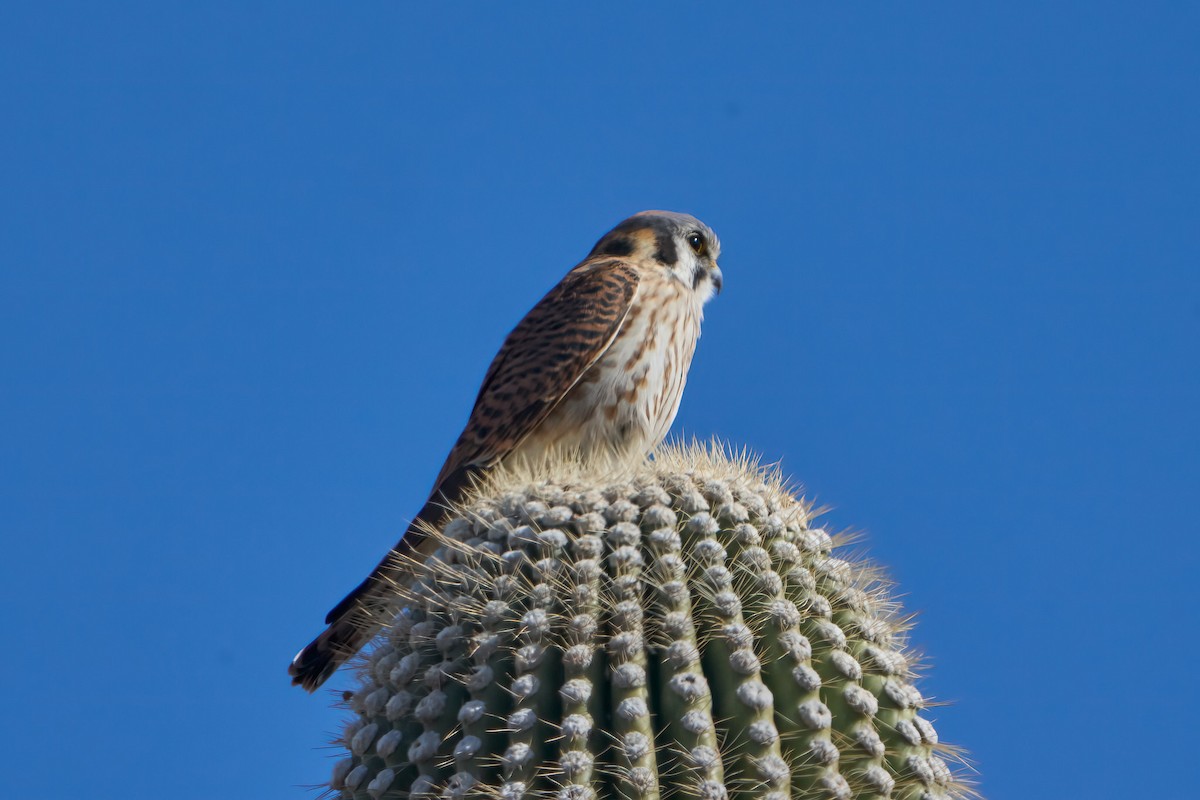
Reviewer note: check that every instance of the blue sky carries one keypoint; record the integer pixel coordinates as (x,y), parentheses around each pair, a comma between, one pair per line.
(257,258)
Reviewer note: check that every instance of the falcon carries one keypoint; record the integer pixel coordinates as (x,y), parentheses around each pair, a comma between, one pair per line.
(596,369)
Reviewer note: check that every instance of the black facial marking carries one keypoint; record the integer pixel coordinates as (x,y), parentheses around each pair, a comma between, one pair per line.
(665,227)
(619,246)
(698,276)
(666,254)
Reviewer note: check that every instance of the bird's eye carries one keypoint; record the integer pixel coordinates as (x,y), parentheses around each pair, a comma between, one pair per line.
(696,242)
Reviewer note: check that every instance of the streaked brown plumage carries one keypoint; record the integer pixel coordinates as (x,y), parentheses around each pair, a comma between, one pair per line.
(596,368)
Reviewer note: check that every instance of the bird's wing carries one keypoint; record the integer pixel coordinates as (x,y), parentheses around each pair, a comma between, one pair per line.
(542,359)
(544,356)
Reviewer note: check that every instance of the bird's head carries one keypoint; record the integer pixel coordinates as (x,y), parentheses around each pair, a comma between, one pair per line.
(678,243)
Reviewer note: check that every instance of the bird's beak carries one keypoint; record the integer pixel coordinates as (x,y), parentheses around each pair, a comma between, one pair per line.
(716,277)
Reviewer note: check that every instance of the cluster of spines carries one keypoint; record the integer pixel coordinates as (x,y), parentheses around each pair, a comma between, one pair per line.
(684,635)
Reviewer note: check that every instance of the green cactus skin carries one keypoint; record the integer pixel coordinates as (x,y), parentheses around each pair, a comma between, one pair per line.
(681,632)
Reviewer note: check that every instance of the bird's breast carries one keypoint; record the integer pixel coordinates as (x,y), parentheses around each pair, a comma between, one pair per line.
(624,404)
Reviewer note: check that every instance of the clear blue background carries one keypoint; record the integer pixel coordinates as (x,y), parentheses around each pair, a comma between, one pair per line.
(257,257)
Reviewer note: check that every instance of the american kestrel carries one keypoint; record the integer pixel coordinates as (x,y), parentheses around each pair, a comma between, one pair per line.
(597,369)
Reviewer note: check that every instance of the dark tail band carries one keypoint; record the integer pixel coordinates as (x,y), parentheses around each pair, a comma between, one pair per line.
(351,622)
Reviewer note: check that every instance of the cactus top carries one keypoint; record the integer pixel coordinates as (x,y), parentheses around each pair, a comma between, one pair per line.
(680,631)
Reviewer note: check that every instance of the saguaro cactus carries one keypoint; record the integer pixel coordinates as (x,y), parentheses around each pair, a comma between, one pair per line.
(683,631)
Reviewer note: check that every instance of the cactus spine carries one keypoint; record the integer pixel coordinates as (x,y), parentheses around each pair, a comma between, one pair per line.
(683,632)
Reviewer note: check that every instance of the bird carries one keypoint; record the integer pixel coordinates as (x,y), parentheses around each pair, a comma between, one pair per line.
(597,368)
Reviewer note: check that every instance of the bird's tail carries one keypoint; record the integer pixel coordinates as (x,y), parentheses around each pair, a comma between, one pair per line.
(354,620)
(321,657)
